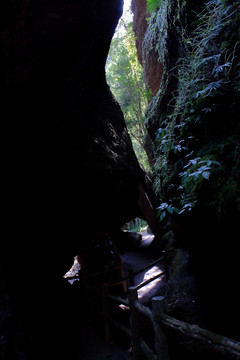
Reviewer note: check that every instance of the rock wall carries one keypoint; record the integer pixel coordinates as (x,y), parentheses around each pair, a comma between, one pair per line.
(64,133)
(70,172)
(195,129)
(139,10)
(153,68)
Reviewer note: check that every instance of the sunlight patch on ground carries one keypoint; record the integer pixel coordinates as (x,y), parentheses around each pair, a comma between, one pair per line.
(155,270)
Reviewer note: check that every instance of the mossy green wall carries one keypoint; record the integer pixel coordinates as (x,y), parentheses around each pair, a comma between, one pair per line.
(194,118)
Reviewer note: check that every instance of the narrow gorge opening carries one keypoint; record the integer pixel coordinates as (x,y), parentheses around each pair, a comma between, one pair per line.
(124,75)
(72,179)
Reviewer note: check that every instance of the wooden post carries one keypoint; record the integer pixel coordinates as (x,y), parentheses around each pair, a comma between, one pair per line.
(165,263)
(131,277)
(161,347)
(124,284)
(105,307)
(133,298)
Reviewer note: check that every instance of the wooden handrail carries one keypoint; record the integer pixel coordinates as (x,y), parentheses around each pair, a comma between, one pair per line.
(123,278)
(215,341)
(118,299)
(150,280)
(138,271)
(144,310)
(160,320)
(158,317)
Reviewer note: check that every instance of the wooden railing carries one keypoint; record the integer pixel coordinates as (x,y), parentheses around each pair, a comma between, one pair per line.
(107,297)
(159,320)
(131,273)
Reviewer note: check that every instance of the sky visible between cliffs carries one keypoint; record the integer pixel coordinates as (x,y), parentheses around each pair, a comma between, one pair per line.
(127,16)
(127,4)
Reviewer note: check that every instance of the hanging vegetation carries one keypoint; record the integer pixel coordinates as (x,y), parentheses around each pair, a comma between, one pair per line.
(197,142)
(153,5)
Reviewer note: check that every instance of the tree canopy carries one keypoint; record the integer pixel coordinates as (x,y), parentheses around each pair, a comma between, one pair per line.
(125,78)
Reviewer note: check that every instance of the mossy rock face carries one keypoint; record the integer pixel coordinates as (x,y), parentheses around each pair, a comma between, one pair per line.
(193,121)
(193,118)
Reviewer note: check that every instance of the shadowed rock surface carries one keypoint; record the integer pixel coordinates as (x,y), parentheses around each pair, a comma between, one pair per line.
(70,170)
(186,124)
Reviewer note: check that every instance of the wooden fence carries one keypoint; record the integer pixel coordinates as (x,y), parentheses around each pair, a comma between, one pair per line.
(156,316)
(104,292)
(160,321)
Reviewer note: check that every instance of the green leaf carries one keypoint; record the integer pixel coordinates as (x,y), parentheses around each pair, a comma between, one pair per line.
(204,168)
(186,207)
(153,5)
(162,206)
(195,173)
(216,163)
(206,175)
(170,209)
(163,215)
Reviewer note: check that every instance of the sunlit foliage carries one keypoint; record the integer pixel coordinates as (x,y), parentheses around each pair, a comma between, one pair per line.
(125,77)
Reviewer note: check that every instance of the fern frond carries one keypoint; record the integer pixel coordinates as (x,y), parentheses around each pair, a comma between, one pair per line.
(153,5)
